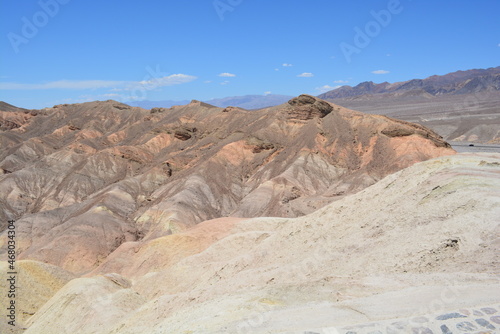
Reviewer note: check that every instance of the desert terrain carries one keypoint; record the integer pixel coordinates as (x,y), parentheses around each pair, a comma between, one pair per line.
(306,217)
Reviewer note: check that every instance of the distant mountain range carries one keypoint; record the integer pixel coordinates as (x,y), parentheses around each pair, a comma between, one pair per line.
(460,82)
(460,106)
(246,102)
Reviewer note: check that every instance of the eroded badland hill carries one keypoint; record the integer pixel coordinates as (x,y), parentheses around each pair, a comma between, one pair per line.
(154,221)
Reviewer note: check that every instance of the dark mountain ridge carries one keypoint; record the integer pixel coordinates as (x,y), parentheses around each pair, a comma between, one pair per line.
(460,82)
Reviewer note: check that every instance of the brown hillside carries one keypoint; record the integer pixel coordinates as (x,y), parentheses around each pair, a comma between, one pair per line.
(83,179)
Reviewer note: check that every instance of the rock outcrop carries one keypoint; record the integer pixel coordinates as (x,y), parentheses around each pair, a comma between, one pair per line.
(305,107)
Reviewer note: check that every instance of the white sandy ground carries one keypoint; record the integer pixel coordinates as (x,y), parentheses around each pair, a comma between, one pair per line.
(421,241)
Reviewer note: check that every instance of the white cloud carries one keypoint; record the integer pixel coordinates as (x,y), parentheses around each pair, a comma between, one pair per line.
(276,69)
(326,88)
(207,81)
(174,79)
(111,95)
(380,72)
(227,75)
(341,81)
(267,93)
(224,82)
(499,44)
(305,75)
(287,65)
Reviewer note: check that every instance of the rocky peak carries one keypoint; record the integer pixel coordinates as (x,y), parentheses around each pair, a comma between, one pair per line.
(200,103)
(305,107)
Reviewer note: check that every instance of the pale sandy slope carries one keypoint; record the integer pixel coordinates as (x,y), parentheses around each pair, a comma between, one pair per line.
(420,241)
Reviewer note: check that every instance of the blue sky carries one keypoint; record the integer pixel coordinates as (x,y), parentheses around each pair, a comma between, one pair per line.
(70,51)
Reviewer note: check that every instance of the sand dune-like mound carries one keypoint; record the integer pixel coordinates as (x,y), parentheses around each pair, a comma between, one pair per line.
(414,252)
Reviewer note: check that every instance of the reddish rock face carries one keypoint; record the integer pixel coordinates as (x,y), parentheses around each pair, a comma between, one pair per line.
(8,125)
(14,118)
(85,178)
(307,107)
